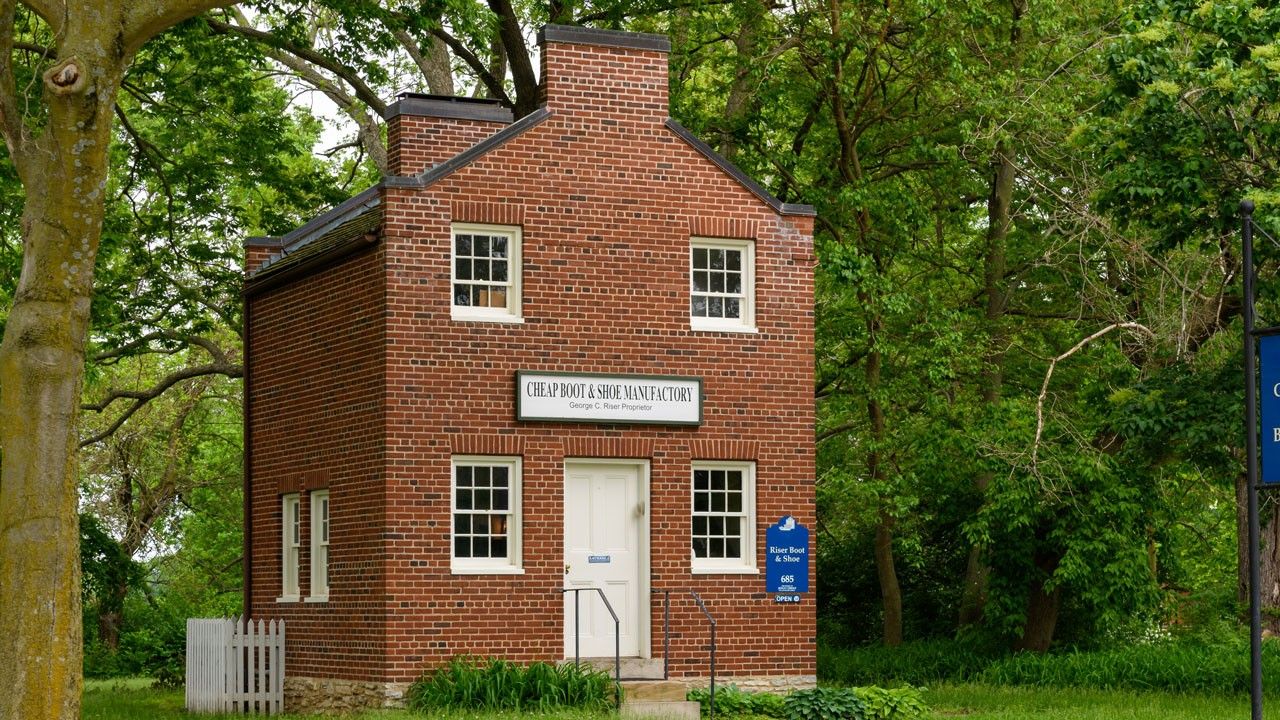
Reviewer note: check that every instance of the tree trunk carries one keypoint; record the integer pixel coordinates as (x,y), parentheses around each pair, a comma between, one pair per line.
(64,174)
(1242,539)
(974,594)
(890,591)
(1042,607)
(886,573)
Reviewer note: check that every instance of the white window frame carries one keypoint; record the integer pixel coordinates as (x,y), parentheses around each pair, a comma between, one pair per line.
(746,562)
(747,321)
(290,545)
(320,509)
(513,563)
(512,313)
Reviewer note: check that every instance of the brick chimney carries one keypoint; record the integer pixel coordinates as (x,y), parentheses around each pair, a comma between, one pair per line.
(593,70)
(425,130)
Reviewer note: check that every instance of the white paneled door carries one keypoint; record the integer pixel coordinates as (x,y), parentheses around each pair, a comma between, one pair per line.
(605,516)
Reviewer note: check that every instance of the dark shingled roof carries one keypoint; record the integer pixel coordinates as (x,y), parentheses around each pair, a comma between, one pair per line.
(346,236)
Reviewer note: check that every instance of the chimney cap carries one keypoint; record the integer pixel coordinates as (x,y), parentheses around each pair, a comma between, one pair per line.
(605,38)
(449,106)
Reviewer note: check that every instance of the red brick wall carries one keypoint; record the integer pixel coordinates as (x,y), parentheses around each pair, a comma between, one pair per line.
(607,197)
(317,416)
(415,143)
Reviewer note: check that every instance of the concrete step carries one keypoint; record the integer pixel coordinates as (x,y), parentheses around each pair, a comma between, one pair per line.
(653,691)
(661,709)
(632,667)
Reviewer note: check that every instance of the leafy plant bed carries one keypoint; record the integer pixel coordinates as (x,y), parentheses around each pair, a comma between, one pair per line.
(468,683)
(988,702)
(824,703)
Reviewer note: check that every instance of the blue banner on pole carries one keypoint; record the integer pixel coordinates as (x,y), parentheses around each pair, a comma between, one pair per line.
(1269,395)
(786,560)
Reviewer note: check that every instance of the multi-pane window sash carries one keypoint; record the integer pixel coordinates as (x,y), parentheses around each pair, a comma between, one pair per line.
(482,270)
(292,541)
(721,522)
(320,544)
(482,512)
(721,284)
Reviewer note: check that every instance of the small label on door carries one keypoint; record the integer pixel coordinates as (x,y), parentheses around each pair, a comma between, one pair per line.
(599,559)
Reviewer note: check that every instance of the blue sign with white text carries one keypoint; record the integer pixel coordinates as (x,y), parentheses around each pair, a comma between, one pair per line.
(1269,393)
(786,558)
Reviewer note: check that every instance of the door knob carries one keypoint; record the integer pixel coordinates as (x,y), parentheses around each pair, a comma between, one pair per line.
(566,569)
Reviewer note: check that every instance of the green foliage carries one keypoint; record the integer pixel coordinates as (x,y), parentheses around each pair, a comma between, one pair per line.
(468,683)
(824,703)
(1210,663)
(901,703)
(733,702)
(1184,666)
(914,663)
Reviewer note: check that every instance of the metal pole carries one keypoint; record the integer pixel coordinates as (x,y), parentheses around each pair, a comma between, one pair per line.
(666,634)
(1251,464)
(577,632)
(713,670)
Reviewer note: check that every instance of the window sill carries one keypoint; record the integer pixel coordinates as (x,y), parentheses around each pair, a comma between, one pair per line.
(482,570)
(317,599)
(501,319)
(742,329)
(287,599)
(739,570)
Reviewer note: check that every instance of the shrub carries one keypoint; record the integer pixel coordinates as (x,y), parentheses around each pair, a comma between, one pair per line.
(732,702)
(903,703)
(869,703)
(824,703)
(916,663)
(472,684)
(1187,665)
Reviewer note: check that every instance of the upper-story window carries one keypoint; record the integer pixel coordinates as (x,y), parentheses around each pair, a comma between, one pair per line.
(486,272)
(722,285)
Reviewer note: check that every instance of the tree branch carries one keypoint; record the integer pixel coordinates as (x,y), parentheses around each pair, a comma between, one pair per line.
(142,397)
(433,62)
(143,20)
(11,125)
(1044,387)
(349,76)
(491,83)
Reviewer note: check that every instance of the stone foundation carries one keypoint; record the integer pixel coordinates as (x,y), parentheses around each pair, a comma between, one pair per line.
(777,684)
(327,696)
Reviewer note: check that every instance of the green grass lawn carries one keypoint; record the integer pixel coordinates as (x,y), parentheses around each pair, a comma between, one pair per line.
(135,700)
(984,702)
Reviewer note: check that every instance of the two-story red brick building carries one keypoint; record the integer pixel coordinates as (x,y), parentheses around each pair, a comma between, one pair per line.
(573,350)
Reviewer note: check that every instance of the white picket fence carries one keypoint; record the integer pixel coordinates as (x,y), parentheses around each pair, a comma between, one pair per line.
(234,666)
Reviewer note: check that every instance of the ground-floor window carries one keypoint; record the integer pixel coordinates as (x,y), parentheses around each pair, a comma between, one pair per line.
(723,518)
(486,514)
(291,542)
(319,544)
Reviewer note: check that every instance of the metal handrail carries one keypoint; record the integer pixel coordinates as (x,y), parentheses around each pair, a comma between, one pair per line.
(703,607)
(617,638)
(666,632)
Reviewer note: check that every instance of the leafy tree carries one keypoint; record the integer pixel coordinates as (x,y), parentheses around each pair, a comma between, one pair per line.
(57,133)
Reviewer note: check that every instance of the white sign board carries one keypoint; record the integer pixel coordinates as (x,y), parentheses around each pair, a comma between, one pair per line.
(608,398)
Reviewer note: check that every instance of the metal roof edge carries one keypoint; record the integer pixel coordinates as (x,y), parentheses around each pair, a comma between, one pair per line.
(339,213)
(732,171)
(604,38)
